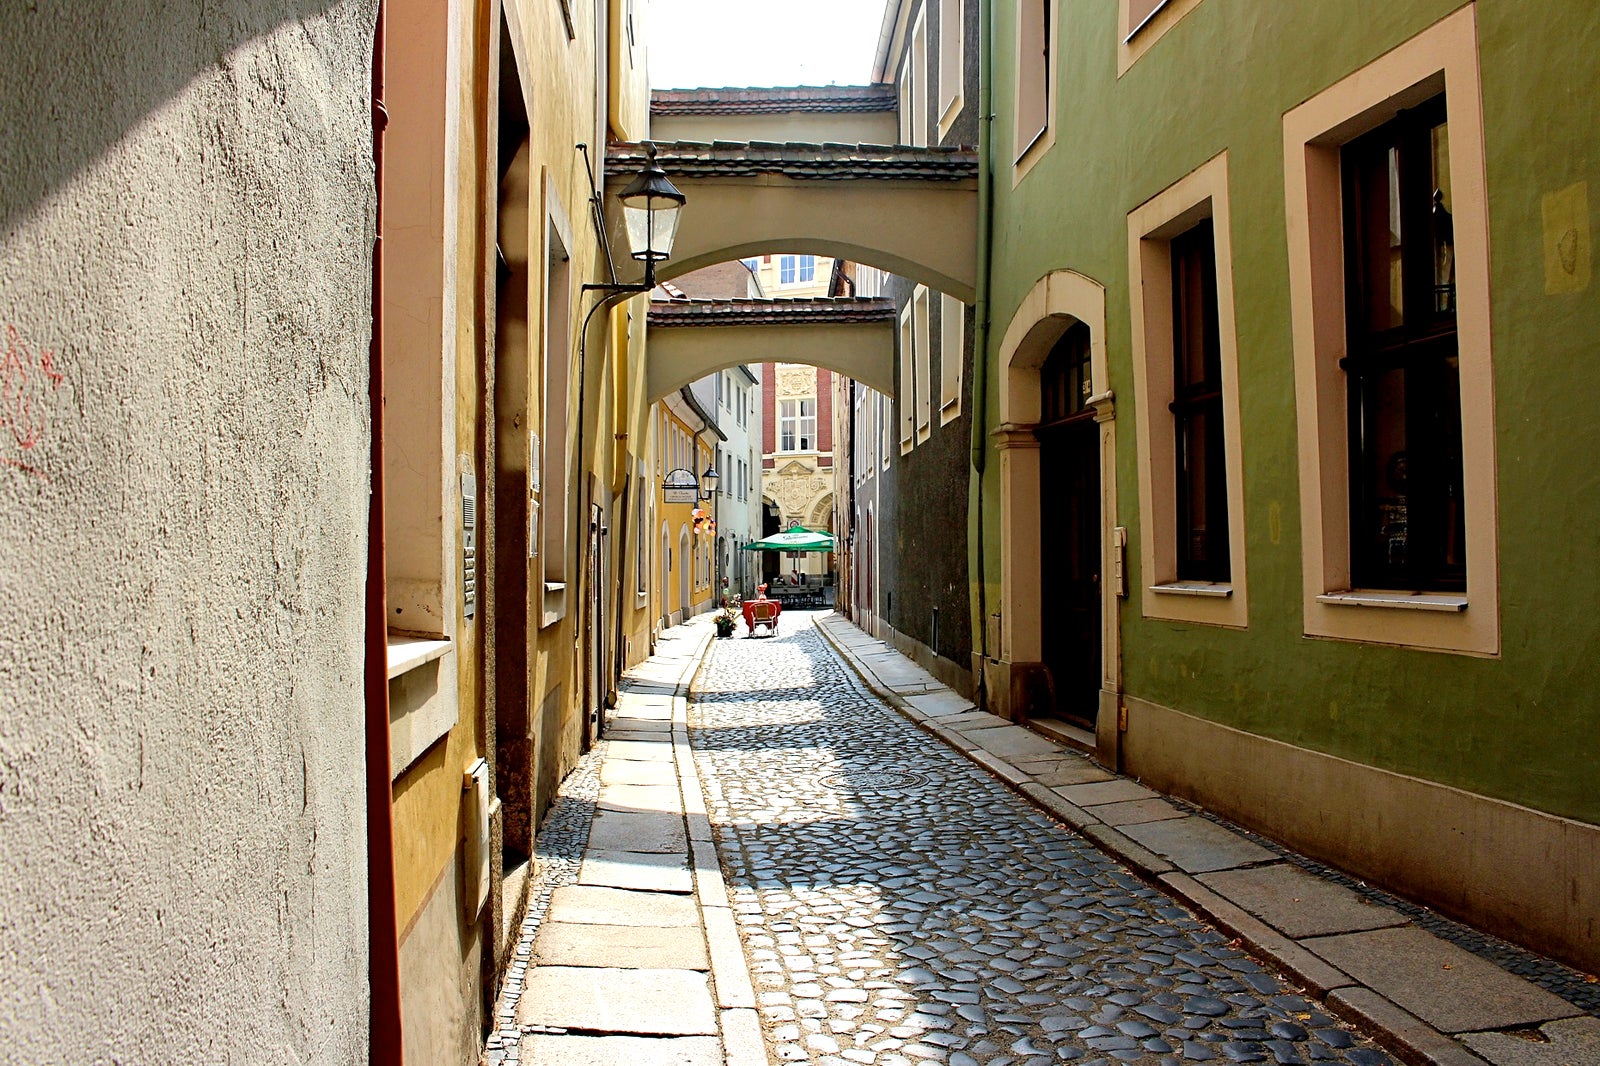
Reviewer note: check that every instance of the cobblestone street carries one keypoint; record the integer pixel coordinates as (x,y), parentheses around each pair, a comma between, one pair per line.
(897,905)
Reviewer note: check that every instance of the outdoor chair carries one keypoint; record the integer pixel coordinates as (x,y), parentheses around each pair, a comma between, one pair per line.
(763,613)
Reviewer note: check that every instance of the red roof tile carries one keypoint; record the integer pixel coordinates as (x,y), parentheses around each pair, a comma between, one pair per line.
(728,159)
(833,99)
(755,312)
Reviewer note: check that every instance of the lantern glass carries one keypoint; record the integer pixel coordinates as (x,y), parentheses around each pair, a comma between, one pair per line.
(652,224)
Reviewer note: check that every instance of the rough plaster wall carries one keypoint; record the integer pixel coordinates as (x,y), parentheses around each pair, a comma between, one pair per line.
(185,225)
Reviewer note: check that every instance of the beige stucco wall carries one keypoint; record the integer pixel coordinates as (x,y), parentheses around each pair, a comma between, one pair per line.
(185,225)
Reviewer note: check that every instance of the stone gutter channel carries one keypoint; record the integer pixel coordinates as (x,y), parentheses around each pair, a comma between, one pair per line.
(1381,964)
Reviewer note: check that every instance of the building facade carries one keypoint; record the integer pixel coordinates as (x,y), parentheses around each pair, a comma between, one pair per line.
(738,507)
(917,469)
(1265,438)
(357,502)
(796,461)
(689,440)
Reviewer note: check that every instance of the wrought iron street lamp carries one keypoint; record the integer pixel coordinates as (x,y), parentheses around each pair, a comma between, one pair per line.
(708,481)
(650,206)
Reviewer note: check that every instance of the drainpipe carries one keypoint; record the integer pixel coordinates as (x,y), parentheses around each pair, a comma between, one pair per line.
(980,343)
(382,922)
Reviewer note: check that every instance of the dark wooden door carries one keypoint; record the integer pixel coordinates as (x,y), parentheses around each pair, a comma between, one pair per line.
(1069,533)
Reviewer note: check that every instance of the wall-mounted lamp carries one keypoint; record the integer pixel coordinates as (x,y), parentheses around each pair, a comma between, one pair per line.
(708,481)
(650,206)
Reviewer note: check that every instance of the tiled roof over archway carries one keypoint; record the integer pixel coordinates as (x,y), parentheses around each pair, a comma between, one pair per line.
(833,99)
(735,159)
(771,312)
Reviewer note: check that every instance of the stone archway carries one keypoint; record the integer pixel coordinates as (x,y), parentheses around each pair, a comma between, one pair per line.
(1057,302)
(910,211)
(821,516)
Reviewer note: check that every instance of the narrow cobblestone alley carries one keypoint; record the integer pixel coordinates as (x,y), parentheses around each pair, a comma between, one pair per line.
(898,905)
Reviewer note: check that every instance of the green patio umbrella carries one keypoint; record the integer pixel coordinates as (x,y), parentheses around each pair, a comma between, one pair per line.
(793,539)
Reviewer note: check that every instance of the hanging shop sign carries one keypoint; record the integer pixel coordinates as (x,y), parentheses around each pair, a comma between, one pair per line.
(680,486)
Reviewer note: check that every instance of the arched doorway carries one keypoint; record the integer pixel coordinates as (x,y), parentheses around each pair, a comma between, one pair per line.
(1059,647)
(1069,529)
(666,576)
(686,564)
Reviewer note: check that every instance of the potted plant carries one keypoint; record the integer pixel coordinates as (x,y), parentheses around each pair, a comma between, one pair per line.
(726,616)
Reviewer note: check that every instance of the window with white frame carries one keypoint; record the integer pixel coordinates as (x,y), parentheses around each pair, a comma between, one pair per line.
(922,350)
(797,425)
(907,400)
(883,430)
(903,101)
(919,81)
(952,355)
(950,62)
(797,269)
(641,563)
(550,496)
(1389,288)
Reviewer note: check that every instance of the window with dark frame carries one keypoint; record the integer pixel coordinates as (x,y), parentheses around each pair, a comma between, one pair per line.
(1064,380)
(1202,480)
(1403,376)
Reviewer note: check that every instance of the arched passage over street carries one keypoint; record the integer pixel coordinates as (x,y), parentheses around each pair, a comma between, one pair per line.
(910,211)
(692,338)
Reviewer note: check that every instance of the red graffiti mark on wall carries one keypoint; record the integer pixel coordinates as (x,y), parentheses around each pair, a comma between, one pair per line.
(26,383)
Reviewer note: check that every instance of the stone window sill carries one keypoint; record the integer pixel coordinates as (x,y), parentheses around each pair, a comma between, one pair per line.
(1403,601)
(421,709)
(408,653)
(555,603)
(1214,589)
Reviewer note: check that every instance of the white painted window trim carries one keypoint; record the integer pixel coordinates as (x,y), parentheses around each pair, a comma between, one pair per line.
(1442,57)
(1201,194)
(905,403)
(903,103)
(952,62)
(919,79)
(554,599)
(799,266)
(952,356)
(922,345)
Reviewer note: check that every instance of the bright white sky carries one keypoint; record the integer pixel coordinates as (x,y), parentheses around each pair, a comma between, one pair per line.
(716,43)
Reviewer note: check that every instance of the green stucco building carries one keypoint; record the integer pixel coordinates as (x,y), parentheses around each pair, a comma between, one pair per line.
(1286,414)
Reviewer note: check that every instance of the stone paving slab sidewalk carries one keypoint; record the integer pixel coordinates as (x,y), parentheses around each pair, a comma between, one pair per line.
(637,961)
(1430,1000)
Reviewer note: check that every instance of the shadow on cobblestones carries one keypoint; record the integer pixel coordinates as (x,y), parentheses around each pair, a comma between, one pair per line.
(899,906)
